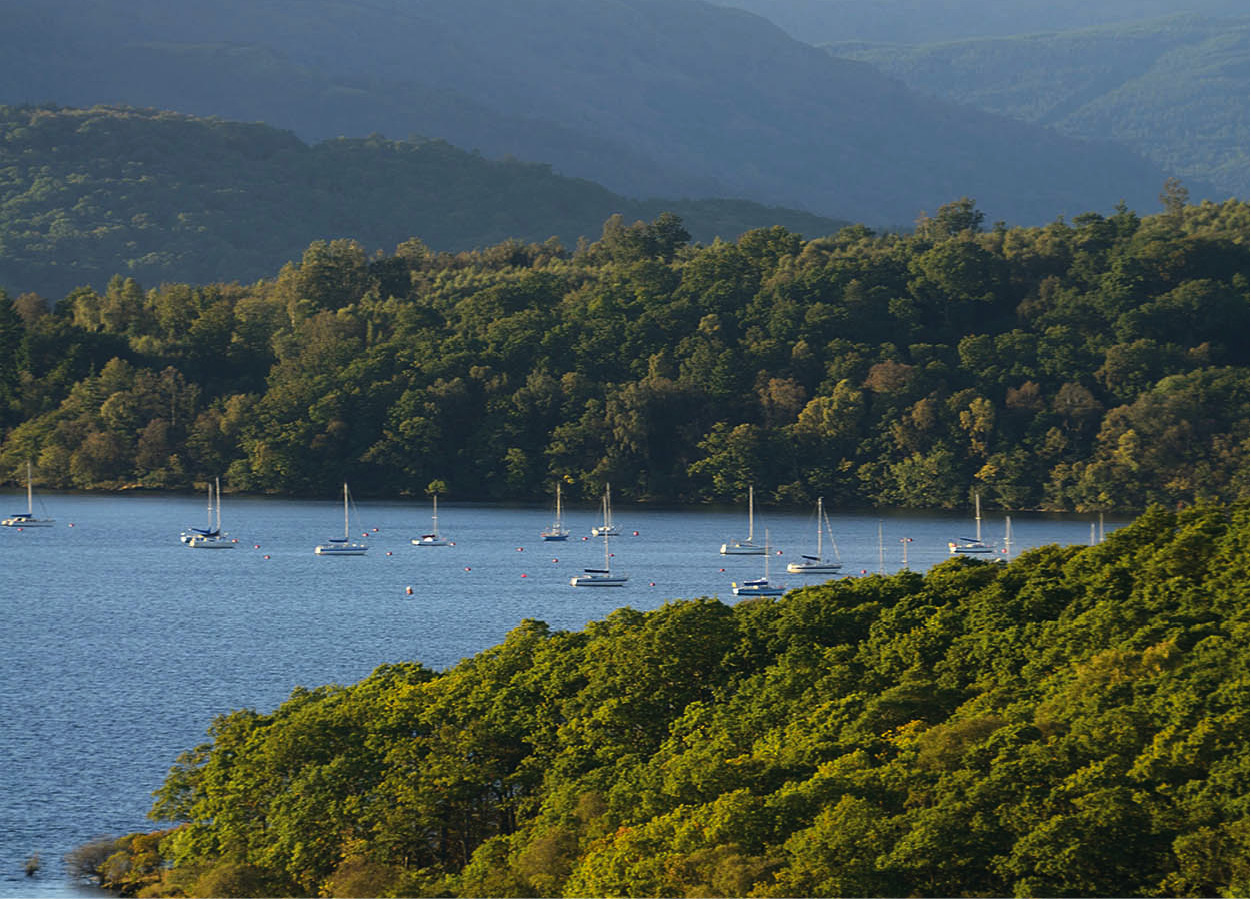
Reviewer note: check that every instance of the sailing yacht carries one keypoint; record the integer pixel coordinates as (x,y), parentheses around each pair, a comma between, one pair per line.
(759,586)
(27,519)
(557,531)
(212,538)
(607,529)
(971,545)
(433,538)
(599,577)
(818,564)
(208,530)
(747,547)
(336,546)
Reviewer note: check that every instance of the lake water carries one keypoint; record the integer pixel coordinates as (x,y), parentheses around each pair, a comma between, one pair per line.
(121,644)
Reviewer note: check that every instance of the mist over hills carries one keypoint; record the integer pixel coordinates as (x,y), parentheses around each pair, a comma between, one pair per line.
(1172,89)
(160,196)
(650,98)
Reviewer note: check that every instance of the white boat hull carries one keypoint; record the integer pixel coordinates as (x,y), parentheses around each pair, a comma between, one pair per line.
(210,543)
(18,521)
(969,548)
(755,589)
(552,536)
(597,580)
(742,548)
(431,541)
(333,549)
(814,568)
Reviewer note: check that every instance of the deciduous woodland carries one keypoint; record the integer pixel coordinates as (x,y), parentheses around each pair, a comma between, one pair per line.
(1071,723)
(1097,364)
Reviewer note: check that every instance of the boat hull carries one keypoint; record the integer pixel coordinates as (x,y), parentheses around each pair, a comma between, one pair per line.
(431,541)
(815,568)
(596,580)
(756,590)
(742,548)
(351,549)
(19,522)
(553,537)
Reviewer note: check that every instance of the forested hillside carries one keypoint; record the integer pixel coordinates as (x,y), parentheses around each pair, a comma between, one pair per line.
(1098,364)
(1070,724)
(650,98)
(1172,89)
(158,196)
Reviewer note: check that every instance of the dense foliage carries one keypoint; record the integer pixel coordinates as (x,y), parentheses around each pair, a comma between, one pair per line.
(87,193)
(1173,89)
(1071,723)
(1095,365)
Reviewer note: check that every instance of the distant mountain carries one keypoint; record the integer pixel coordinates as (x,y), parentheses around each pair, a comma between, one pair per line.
(1174,90)
(166,197)
(647,97)
(930,21)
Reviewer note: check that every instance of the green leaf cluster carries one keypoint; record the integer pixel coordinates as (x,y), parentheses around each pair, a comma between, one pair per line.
(1070,723)
(1094,365)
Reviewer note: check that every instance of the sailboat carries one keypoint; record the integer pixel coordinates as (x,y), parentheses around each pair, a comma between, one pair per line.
(212,538)
(557,531)
(607,529)
(759,586)
(747,547)
(599,577)
(336,546)
(433,538)
(27,519)
(818,564)
(971,544)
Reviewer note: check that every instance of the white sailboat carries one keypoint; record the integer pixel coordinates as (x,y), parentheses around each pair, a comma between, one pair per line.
(747,547)
(27,519)
(434,538)
(971,544)
(212,538)
(759,586)
(818,564)
(342,547)
(607,529)
(600,577)
(557,531)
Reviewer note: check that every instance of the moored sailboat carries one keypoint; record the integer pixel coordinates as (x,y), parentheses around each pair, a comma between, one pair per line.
(27,519)
(212,538)
(747,546)
(607,529)
(759,586)
(971,545)
(336,546)
(434,538)
(818,564)
(600,577)
(557,531)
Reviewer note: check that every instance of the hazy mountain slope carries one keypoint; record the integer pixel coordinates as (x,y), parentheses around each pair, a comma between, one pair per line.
(85,194)
(648,97)
(927,21)
(1175,89)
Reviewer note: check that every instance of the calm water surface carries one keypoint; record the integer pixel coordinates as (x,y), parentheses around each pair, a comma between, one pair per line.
(121,644)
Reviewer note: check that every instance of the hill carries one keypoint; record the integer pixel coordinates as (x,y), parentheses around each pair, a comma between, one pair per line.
(931,21)
(648,97)
(158,196)
(1070,724)
(1174,90)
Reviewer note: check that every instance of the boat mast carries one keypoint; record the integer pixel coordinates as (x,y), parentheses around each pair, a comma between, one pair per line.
(751,513)
(218,481)
(820,519)
(435,517)
(977,506)
(30,494)
(345,511)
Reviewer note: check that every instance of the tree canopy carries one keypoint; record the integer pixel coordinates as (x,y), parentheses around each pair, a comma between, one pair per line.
(1070,723)
(1094,365)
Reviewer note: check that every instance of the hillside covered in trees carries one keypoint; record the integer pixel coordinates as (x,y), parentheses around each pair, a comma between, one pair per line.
(1070,724)
(1173,89)
(1094,365)
(678,98)
(158,196)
